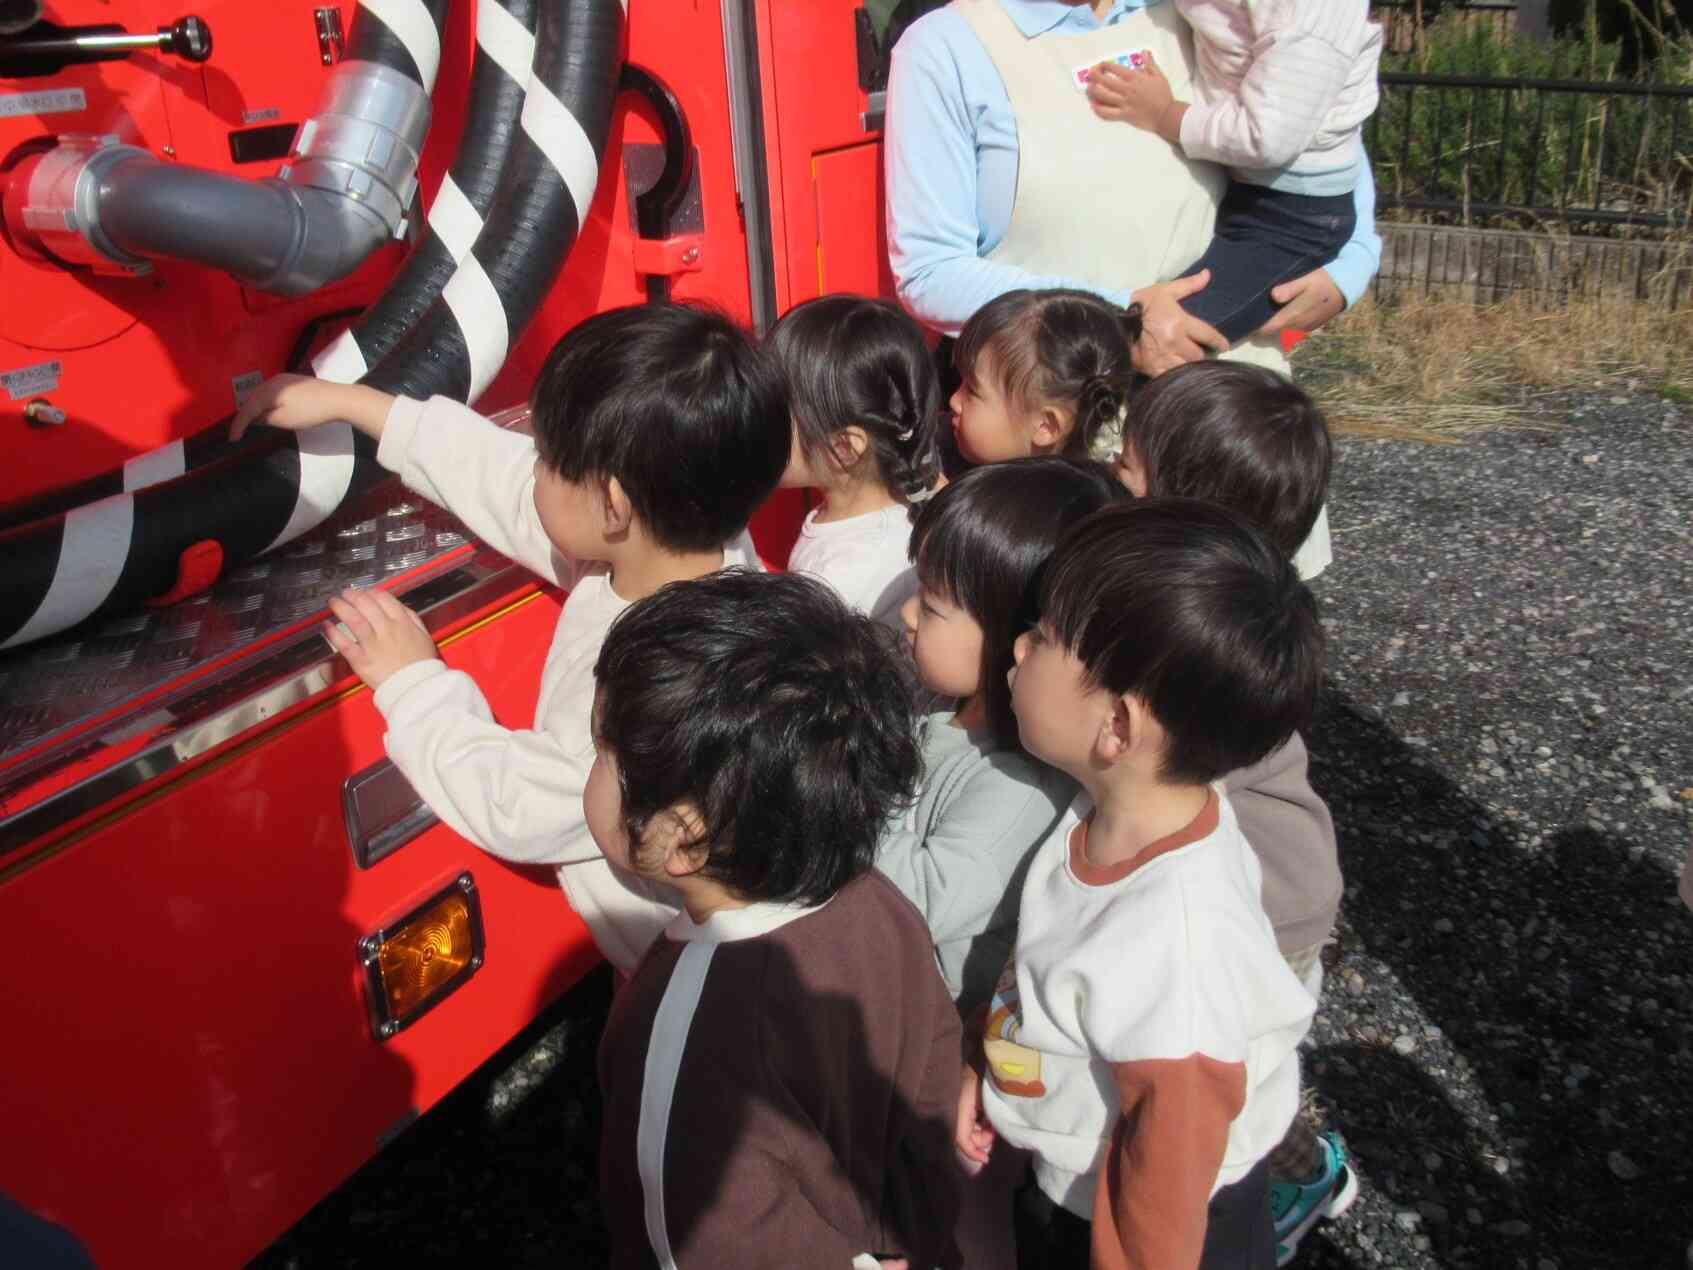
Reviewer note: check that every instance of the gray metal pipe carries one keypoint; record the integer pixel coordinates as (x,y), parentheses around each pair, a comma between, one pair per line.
(343,193)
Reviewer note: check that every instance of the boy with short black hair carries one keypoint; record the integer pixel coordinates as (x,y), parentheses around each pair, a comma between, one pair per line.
(781,1072)
(1240,436)
(658,429)
(1143,1041)
(1247,439)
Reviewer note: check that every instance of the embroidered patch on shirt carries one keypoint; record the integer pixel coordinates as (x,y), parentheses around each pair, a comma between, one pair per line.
(1134,59)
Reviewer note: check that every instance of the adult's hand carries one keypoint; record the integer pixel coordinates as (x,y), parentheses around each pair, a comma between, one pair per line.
(1306,303)
(1170,335)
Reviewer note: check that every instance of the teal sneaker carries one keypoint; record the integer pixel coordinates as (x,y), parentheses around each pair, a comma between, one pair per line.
(1297,1207)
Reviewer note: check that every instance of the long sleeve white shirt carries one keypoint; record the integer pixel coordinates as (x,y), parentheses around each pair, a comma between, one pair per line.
(1147,1015)
(1284,87)
(515,792)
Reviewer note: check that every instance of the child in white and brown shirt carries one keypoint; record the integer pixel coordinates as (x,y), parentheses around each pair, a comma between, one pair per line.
(1143,1041)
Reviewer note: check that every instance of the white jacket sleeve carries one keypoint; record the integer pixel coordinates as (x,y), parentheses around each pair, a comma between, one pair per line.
(517,794)
(482,473)
(1295,77)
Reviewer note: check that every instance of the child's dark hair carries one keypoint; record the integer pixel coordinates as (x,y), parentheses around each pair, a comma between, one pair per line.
(982,541)
(1058,346)
(1237,435)
(851,361)
(1186,606)
(678,404)
(784,717)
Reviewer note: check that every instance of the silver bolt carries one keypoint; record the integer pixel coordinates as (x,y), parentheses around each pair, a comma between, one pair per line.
(466,883)
(476,963)
(691,256)
(168,151)
(388,1028)
(369,946)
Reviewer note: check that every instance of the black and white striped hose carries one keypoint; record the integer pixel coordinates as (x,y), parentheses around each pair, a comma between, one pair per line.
(404,36)
(120,551)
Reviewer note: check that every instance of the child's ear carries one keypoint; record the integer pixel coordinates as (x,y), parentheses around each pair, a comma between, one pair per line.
(1127,730)
(680,834)
(848,445)
(1052,425)
(618,512)
(1131,471)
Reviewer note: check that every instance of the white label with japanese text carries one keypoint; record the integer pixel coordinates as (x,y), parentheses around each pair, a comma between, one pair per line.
(28,381)
(43,101)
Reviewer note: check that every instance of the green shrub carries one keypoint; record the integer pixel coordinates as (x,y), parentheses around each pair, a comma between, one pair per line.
(1527,146)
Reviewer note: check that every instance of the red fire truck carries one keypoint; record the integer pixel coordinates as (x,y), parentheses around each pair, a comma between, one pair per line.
(240,954)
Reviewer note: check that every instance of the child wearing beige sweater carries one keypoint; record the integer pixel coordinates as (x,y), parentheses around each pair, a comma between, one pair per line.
(658,429)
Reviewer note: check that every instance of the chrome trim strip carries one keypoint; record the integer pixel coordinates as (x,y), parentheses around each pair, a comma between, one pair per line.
(286,675)
(752,174)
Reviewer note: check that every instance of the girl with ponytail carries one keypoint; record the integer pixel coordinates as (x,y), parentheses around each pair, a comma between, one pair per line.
(866,402)
(1043,372)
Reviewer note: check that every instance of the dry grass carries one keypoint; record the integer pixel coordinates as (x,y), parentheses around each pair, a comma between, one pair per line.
(1433,369)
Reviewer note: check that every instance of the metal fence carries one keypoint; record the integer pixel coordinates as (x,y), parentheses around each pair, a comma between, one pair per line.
(1515,151)
(1400,18)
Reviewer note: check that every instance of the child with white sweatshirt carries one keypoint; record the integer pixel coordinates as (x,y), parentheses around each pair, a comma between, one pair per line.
(1143,1041)
(658,429)
(1282,90)
(866,403)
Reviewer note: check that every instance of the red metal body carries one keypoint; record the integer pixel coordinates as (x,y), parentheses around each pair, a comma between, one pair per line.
(189,1064)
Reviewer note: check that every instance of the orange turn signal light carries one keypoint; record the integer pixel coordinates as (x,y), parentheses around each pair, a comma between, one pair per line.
(417,962)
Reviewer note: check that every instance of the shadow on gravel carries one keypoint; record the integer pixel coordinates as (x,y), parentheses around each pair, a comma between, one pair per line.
(1548,968)
(1378,1097)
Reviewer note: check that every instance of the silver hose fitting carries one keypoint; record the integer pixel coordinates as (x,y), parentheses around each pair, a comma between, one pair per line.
(363,144)
(343,193)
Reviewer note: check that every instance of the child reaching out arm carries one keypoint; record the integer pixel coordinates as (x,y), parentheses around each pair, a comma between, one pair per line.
(657,431)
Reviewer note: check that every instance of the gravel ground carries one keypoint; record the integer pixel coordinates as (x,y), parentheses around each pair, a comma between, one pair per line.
(1506,1041)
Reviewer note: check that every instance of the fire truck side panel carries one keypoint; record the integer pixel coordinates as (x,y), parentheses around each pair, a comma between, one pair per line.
(825,156)
(144,360)
(190,1064)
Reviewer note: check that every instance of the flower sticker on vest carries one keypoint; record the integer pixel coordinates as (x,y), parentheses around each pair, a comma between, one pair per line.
(1013,1068)
(1134,59)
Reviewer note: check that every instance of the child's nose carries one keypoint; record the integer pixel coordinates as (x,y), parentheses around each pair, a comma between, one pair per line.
(908,615)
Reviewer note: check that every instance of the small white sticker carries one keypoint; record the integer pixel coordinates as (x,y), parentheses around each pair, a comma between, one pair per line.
(43,101)
(1133,59)
(244,384)
(259,116)
(28,381)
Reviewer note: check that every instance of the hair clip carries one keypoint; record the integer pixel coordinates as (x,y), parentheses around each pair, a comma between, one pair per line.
(907,434)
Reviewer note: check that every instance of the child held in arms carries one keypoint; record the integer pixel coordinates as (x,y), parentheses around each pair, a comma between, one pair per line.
(1282,90)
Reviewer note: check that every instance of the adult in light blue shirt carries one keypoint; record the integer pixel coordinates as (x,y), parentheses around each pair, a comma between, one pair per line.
(952,167)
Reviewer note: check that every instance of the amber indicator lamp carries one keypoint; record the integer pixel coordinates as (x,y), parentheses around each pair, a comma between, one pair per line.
(414,964)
